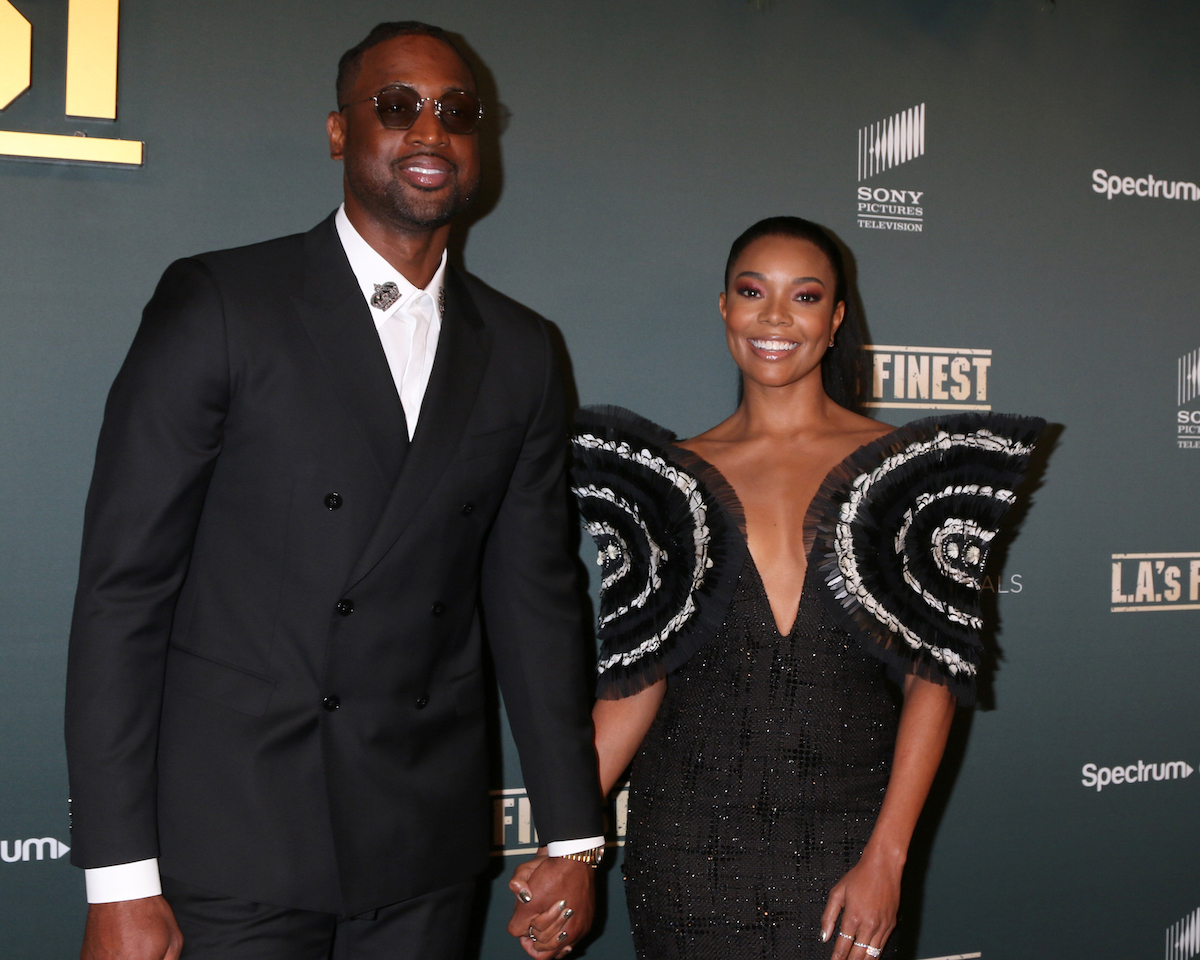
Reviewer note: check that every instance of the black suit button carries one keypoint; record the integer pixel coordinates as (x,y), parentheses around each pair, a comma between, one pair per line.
(345,607)
(438,608)
(333,500)
(331,703)
(467,509)
(422,703)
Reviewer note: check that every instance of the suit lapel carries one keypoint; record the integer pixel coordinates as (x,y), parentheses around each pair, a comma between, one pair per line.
(339,324)
(458,368)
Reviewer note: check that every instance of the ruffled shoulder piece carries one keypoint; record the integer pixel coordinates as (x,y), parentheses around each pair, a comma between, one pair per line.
(902,532)
(666,527)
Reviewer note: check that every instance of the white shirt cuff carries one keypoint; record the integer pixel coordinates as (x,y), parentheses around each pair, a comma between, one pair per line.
(125,881)
(560,848)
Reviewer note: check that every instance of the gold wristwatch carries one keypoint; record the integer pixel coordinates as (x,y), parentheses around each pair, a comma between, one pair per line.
(591,857)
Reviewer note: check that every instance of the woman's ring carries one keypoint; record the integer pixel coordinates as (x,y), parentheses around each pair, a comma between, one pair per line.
(530,934)
(871,951)
(846,935)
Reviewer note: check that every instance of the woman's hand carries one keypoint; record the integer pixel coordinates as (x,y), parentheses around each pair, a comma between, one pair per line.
(867,898)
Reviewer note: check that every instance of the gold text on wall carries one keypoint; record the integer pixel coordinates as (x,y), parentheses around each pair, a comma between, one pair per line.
(92,29)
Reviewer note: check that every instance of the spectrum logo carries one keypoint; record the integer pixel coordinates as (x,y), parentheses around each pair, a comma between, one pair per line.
(883,145)
(22,851)
(1156,581)
(1147,186)
(929,378)
(1101,777)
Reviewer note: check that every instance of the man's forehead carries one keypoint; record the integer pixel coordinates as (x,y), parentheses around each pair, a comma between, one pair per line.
(417,61)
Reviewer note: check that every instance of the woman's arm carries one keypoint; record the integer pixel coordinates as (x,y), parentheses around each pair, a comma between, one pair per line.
(621,726)
(870,893)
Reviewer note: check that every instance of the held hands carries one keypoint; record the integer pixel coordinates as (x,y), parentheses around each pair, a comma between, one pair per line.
(131,930)
(867,897)
(555,900)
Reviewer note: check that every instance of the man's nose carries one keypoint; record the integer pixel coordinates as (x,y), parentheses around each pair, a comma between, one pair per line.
(427,129)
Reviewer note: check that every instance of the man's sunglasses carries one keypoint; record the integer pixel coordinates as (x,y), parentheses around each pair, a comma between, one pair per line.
(398,108)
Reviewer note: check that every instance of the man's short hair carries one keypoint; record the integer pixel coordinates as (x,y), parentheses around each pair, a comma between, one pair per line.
(351,61)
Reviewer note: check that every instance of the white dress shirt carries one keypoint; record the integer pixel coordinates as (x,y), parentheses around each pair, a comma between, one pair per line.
(409,329)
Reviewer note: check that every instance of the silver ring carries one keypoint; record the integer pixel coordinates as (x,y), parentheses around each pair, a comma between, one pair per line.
(530,934)
(871,951)
(846,935)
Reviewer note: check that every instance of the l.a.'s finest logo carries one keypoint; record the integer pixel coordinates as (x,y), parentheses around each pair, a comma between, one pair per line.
(1183,937)
(35,848)
(1187,388)
(515,834)
(1139,772)
(881,147)
(1143,582)
(929,378)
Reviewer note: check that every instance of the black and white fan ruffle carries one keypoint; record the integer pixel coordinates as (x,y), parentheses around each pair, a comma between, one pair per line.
(669,554)
(903,528)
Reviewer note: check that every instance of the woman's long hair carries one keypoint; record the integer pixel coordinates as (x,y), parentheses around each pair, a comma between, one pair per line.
(841,367)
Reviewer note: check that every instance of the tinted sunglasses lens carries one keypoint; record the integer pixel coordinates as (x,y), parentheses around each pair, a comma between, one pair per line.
(398,107)
(460,112)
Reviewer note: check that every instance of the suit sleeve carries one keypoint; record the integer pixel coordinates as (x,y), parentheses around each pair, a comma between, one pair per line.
(157,450)
(532,613)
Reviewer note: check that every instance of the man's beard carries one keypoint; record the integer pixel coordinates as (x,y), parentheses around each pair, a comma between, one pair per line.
(409,208)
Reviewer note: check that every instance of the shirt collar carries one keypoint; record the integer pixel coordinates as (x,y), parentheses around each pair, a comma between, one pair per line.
(371,270)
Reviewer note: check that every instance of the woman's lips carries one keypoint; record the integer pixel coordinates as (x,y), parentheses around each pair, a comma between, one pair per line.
(773,349)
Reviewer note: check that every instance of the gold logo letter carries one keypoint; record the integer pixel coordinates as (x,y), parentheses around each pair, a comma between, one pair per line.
(16,53)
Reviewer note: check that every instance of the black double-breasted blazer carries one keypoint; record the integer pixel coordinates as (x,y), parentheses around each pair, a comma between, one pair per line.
(275,680)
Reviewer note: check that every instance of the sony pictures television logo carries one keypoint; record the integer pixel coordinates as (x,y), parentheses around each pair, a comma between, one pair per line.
(1183,937)
(882,146)
(929,378)
(1187,392)
(1148,582)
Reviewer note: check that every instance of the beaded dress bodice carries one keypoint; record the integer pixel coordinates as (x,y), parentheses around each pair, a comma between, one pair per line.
(758,785)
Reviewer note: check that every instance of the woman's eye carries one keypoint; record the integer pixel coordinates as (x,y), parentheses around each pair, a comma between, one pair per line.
(748,292)
(809,297)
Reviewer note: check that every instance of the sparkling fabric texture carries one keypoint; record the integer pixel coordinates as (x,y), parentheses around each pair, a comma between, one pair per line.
(758,785)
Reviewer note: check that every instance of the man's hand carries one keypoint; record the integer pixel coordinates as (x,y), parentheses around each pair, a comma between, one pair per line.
(131,930)
(555,900)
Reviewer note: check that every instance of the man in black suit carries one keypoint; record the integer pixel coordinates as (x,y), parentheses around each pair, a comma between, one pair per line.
(328,465)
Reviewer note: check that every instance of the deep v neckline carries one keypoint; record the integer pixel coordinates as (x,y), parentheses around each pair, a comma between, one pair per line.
(807,533)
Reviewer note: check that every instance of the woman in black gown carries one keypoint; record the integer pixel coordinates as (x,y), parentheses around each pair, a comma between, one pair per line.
(777,775)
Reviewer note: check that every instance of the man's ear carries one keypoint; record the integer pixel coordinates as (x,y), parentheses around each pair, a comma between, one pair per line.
(335,125)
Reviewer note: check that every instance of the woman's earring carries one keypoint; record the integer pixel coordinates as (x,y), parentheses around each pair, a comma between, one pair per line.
(831,343)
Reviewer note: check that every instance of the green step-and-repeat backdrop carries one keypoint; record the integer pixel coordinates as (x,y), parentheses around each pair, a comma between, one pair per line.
(1016,184)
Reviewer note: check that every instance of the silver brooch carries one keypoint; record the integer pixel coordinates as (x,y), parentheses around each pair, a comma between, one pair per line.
(385,295)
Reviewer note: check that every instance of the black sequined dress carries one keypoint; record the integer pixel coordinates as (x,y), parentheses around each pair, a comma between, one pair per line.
(758,784)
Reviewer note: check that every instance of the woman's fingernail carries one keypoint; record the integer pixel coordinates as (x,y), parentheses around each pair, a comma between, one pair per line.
(568,913)
(525,896)
(824,936)
(562,935)
(562,905)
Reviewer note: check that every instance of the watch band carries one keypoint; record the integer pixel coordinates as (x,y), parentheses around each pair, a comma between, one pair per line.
(591,857)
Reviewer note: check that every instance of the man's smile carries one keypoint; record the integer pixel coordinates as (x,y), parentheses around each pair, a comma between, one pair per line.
(425,171)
